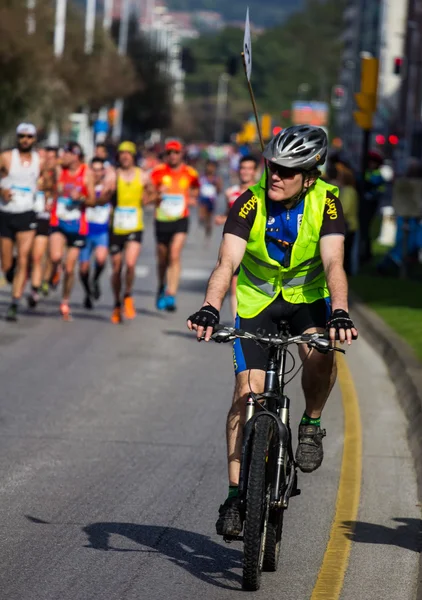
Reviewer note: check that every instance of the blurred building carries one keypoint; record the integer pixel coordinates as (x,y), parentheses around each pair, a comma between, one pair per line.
(376,28)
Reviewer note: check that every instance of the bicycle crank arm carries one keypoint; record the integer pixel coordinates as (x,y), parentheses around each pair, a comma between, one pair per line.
(292,489)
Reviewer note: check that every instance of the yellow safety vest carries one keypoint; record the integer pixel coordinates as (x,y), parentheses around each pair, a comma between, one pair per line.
(128,213)
(261,279)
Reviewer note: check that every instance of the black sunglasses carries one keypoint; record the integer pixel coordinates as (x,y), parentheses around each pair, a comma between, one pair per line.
(283,172)
(21,136)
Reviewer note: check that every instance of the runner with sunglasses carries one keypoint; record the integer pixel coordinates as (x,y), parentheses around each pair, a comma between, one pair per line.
(20,170)
(287,234)
(177,186)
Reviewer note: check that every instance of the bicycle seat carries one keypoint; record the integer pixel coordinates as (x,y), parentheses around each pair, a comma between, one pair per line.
(283,328)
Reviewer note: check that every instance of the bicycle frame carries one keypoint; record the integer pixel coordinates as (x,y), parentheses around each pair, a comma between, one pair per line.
(278,408)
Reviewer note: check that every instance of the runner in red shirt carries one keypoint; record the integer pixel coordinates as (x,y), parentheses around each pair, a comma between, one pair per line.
(75,191)
(177,186)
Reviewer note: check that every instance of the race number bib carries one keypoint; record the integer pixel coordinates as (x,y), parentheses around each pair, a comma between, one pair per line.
(126,219)
(98,215)
(23,198)
(68,210)
(208,190)
(172,206)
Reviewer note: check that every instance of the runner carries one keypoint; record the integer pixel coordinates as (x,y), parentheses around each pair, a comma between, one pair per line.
(132,191)
(97,240)
(68,217)
(248,168)
(211,186)
(44,199)
(109,180)
(20,169)
(177,185)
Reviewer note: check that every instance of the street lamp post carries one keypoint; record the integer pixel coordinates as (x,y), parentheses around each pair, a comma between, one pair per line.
(122,49)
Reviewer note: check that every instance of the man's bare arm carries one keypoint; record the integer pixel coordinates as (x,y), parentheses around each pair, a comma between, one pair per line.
(230,256)
(332,255)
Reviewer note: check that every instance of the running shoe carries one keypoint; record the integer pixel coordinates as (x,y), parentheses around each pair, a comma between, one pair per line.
(171,303)
(55,280)
(12,313)
(116,316)
(45,288)
(33,299)
(88,303)
(129,308)
(65,312)
(161,303)
(95,289)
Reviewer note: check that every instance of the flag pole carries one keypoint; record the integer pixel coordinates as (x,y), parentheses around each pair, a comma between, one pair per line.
(255,110)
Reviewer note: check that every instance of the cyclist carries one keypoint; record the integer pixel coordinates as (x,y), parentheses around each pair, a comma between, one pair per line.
(20,170)
(97,239)
(69,227)
(287,234)
(248,167)
(177,185)
(209,190)
(127,225)
(44,199)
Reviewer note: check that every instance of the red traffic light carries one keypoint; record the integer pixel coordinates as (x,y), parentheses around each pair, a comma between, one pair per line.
(380,139)
(393,139)
(398,64)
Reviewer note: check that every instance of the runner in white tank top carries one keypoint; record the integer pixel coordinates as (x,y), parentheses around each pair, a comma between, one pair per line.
(20,170)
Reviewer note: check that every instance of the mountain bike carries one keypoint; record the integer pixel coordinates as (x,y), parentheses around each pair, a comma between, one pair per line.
(268,473)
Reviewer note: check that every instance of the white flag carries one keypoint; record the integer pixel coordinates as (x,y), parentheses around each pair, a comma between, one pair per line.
(247,47)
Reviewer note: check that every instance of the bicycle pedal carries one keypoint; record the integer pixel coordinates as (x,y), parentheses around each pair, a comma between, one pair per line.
(232,538)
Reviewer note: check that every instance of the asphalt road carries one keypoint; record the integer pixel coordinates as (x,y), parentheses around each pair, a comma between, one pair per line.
(112,461)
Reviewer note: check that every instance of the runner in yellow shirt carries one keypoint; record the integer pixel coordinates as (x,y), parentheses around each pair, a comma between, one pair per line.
(133,190)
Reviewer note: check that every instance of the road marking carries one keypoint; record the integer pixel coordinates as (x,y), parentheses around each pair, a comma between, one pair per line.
(142,271)
(336,558)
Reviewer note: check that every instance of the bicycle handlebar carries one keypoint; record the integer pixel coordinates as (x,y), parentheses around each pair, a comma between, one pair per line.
(319,341)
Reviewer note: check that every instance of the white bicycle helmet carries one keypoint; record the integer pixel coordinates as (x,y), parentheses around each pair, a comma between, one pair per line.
(299,147)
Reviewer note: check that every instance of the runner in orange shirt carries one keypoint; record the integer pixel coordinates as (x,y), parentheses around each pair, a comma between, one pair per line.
(177,185)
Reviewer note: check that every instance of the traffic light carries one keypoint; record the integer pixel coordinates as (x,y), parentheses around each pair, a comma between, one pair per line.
(266,123)
(380,139)
(366,99)
(393,139)
(338,96)
(398,65)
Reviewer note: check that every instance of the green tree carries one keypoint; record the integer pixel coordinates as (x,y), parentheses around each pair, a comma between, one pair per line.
(304,49)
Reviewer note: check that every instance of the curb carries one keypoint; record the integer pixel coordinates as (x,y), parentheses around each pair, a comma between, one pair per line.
(406,373)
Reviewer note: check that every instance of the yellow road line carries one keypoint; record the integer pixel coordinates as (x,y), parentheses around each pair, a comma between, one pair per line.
(334,565)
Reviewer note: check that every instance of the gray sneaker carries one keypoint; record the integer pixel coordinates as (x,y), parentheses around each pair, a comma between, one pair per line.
(230,519)
(309,453)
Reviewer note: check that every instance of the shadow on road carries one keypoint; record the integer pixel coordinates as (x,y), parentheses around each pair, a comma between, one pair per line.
(407,535)
(196,553)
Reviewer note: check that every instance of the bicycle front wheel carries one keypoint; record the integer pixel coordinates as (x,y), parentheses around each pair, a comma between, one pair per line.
(257,505)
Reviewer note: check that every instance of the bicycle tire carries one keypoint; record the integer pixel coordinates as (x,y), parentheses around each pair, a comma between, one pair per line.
(273,540)
(257,506)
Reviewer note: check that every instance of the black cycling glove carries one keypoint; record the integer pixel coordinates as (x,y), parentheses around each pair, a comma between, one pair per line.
(208,316)
(340,320)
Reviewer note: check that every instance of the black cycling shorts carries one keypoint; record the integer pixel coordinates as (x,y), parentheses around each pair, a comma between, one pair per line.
(165,231)
(117,241)
(13,223)
(73,240)
(300,317)
(43,227)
